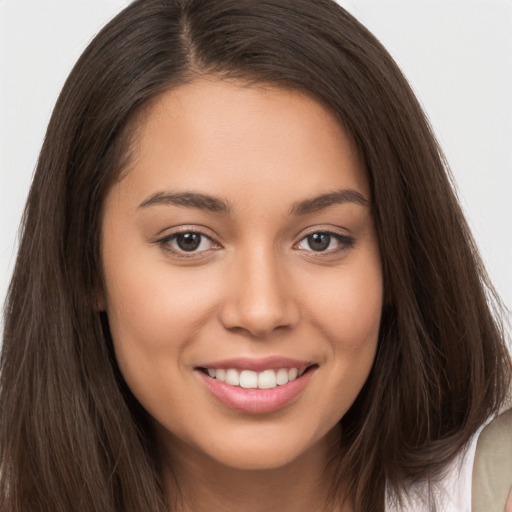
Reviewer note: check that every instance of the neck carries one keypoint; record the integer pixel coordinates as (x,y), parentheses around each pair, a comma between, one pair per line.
(202,484)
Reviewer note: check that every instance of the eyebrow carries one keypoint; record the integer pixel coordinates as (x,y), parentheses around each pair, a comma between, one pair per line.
(188,200)
(323,201)
(218,205)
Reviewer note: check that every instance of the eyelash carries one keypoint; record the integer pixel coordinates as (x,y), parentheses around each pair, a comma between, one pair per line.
(165,243)
(345,242)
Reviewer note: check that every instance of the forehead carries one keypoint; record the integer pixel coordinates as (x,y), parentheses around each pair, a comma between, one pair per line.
(211,133)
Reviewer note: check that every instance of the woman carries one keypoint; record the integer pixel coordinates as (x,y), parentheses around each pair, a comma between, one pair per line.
(234,287)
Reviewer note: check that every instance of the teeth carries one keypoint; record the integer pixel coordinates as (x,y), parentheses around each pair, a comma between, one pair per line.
(232,378)
(282,376)
(248,379)
(267,379)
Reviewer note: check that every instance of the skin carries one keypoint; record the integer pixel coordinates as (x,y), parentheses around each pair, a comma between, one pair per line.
(254,287)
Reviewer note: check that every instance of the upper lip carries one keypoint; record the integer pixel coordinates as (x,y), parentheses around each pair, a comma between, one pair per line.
(257,364)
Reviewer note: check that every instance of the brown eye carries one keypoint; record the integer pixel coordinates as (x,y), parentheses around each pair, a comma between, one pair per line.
(188,241)
(325,241)
(319,241)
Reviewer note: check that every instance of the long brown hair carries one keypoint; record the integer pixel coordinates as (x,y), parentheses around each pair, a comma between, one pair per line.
(72,436)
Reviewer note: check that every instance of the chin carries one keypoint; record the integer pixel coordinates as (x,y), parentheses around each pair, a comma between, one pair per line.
(257,460)
(268,451)
(242,462)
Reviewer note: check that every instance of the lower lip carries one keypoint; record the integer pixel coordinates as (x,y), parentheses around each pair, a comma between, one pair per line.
(256,401)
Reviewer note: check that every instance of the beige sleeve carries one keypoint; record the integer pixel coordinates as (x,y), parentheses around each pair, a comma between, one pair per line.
(492,470)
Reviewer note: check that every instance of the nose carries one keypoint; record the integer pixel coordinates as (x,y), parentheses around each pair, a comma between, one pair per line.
(259,298)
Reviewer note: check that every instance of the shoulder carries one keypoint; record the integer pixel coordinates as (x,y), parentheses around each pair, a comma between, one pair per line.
(477,480)
(492,470)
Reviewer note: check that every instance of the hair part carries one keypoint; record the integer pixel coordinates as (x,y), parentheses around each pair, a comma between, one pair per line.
(72,436)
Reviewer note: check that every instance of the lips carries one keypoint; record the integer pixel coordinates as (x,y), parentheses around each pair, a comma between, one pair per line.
(256,386)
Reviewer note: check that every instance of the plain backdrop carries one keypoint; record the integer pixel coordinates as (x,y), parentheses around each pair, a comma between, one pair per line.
(457,55)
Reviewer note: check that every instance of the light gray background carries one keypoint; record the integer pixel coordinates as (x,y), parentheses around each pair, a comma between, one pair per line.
(457,55)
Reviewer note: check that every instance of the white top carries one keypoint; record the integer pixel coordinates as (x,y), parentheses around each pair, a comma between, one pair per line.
(451,494)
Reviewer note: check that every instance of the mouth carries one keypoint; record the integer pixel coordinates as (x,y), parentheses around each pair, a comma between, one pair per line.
(250,379)
(258,389)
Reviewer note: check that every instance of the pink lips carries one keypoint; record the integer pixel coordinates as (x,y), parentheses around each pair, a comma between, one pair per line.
(256,401)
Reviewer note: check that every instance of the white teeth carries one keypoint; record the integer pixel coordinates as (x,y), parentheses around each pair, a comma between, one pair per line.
(282,376)
(232,377)
(267,379)
(248,379)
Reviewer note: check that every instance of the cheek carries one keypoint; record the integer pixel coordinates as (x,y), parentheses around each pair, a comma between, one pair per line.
(348,313)
(152,325)
(154,313)
(348,308)
(354,331)
(151,302)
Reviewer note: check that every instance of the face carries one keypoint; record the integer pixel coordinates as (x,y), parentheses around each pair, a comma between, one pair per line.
(242,274)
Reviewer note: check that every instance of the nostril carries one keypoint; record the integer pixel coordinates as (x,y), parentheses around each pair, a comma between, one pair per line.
(259,299)
(259,323)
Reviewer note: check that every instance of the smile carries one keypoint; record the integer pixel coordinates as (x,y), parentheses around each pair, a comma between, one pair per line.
(249,379)
(256,387)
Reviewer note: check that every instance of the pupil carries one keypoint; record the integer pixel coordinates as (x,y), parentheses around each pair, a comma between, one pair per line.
(319,241)
(188,241)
